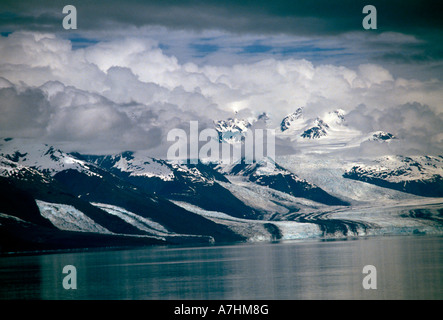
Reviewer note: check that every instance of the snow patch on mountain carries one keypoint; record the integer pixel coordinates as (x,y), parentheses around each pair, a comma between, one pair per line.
(139,164)
(10,168)
(142,165)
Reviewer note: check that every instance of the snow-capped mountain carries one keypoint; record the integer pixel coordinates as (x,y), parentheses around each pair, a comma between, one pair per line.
(319,129)
(421,175)
(263,117)
(381,136)
(64,193)
(141,166)
(130,195)
(276,177)
(336,117)
(195,184)
(291,120)
(232,130)
(42,157)
(11,169)
(50,199)
(327,128)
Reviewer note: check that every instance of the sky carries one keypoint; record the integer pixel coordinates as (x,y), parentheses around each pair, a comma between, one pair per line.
(134,70)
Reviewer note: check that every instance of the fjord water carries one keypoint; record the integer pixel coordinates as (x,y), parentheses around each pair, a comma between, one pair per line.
(407,267)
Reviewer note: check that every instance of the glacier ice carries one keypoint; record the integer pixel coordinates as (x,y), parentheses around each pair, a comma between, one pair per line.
(66,217)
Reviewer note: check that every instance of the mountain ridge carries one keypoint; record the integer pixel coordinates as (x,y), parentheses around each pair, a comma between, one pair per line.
(143,201)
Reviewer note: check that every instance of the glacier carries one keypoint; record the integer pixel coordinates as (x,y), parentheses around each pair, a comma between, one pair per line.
(275,213)
(66,217)
(255,230)
(139,222)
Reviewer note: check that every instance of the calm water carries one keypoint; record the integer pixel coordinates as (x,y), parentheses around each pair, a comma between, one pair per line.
(407,268)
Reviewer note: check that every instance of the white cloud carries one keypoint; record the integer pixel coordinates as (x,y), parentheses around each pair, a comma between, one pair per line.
(126,94)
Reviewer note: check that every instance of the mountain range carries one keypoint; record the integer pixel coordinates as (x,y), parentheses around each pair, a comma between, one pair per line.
(50,199)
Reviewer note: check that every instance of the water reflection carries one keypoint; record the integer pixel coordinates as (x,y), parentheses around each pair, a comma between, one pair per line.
(20,278)
(407,268)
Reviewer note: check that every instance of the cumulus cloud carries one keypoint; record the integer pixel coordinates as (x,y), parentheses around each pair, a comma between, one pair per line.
(409,32)
(417,128)
(127,94)
(23,112)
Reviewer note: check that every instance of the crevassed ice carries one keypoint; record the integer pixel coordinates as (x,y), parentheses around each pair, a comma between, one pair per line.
(66,217)
(137,221)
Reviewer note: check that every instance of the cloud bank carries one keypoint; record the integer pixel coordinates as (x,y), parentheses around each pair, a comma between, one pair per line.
(126,94)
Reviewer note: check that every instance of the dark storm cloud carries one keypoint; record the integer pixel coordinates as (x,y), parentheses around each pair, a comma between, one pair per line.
(297,17)
(319,18)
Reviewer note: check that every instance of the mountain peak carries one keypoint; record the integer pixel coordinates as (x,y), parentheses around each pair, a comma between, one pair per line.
(9,168)
(382,136)
(318,130)
(263,116)
(232,130)
(134,164)
(289,120)
(43,157)
(336,116)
